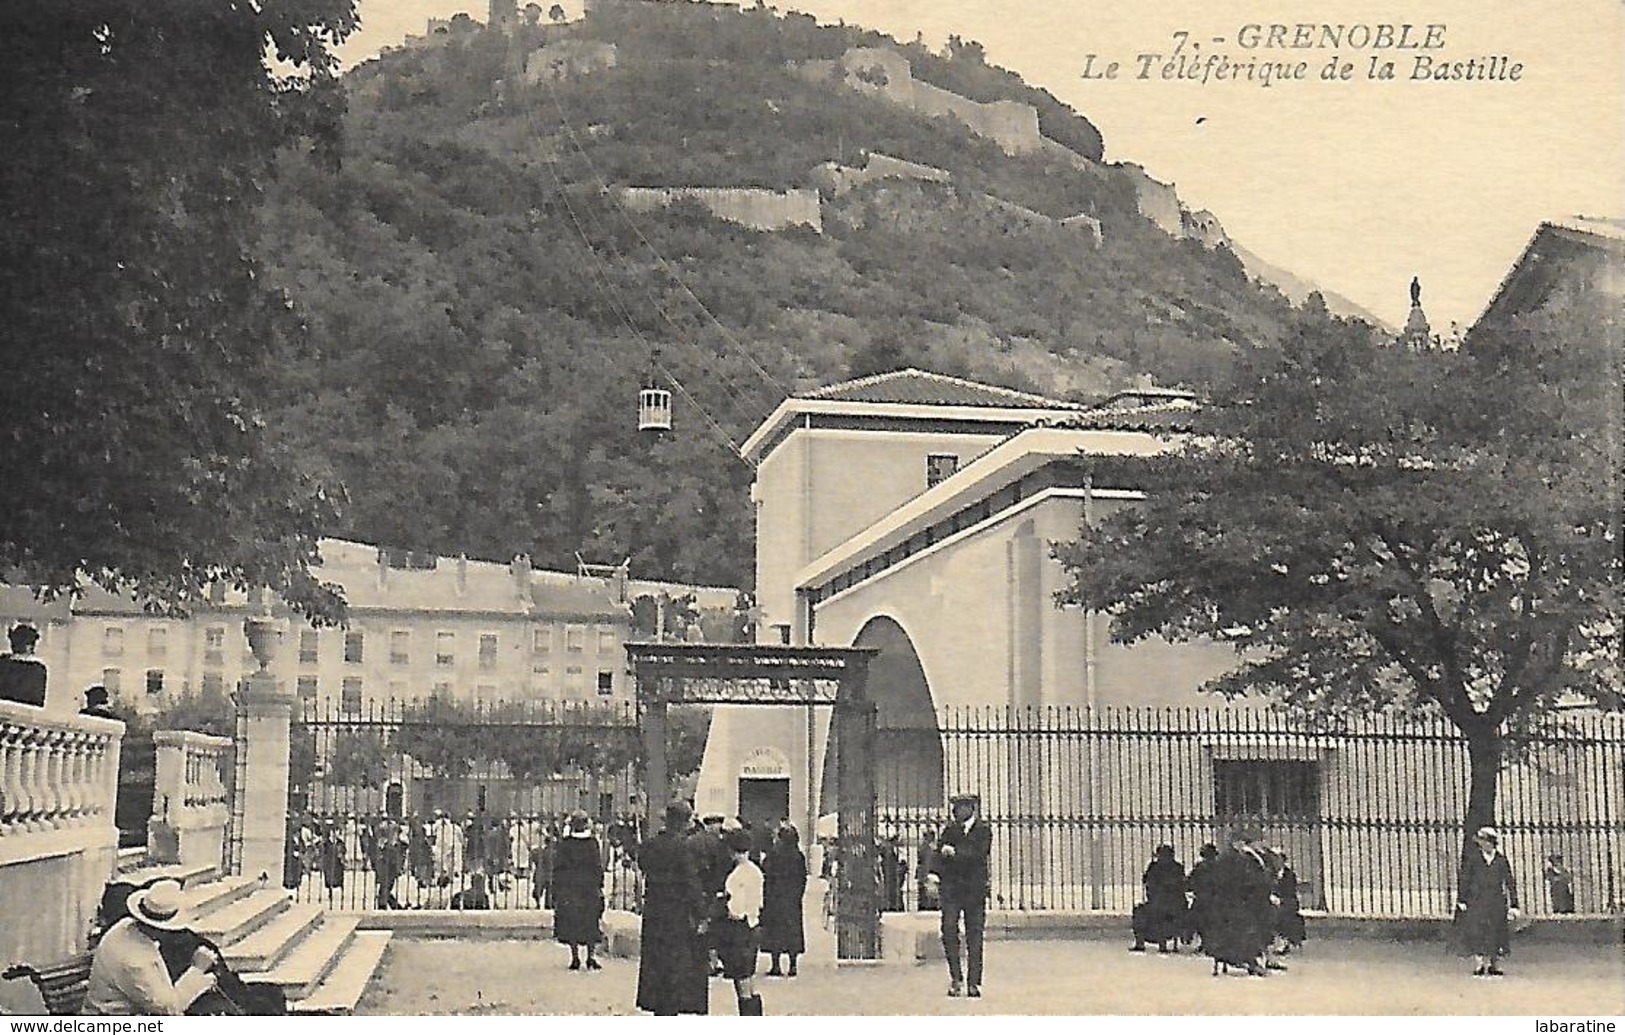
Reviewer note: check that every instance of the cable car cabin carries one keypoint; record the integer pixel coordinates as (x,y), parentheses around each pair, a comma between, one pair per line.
(654,410)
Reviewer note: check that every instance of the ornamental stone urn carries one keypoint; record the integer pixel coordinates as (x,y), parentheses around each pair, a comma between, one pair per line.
(261,633)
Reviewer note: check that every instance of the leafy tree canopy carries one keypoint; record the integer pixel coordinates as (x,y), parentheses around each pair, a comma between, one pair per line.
(1377,528)
(137,327)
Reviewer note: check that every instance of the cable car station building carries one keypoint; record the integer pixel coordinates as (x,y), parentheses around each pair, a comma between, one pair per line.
(915,513)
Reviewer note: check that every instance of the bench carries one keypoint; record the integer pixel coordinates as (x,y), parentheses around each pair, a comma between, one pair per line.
(62,985)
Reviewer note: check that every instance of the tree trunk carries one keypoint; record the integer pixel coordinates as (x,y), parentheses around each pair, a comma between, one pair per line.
(1484,767)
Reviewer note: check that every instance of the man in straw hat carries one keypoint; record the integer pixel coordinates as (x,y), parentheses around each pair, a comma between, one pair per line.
(1486,902)
(128,976)
(959,875)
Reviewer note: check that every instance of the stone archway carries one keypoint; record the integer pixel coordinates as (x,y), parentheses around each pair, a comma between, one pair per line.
(908,744)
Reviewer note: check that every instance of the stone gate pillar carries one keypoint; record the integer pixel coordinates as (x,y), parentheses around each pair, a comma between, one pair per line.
(266,709)
(656,781)
(857,902)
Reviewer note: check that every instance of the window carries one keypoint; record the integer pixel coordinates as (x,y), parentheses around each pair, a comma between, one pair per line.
(572,678)
(110,679)
(350,696)
(1258,788)
(352,648)
(540,676)
(606,682)
(309,645)
(485,693)
(939,466)
(113,642)
(213,684)
(155,680)
(217,592)
(488,650)
(400,647)
(445,648)
(307,688)
(442,689)
(214,644)
(607,641)
(575,638)
(541,639)
(157,642)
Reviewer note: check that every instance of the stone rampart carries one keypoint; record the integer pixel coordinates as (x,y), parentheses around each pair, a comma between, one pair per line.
(757,208)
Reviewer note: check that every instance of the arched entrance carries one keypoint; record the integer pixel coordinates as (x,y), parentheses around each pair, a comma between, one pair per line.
(909,791)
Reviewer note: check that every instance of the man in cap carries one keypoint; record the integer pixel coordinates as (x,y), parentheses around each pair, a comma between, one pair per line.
(959,874)
(22,675)
(128,976)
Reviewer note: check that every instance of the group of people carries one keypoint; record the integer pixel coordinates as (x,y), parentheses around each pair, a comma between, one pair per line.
(716,896)
(439,861)
(1240,905)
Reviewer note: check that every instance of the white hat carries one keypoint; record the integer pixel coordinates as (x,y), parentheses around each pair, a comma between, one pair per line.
(1487,834)
(161,906)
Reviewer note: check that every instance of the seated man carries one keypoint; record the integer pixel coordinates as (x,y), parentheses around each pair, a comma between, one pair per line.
(127,974)
(228,997)
(22,675)
(474,896)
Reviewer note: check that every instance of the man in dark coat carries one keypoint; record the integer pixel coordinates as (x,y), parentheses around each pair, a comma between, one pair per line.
(22,676)
(1161,918)
(712,864)
(672,975)
(1486,901)
(960,868)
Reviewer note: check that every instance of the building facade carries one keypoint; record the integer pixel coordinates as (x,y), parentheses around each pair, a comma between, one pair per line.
(475,631)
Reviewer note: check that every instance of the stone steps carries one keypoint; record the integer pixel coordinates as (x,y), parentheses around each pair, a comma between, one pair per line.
(241,917)
(189,875)
(266,947)
(299,971)
(345,983)
(206,897)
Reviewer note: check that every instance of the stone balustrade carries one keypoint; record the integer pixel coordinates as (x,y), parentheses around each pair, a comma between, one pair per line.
(58,841)
(191,798)
(58,774)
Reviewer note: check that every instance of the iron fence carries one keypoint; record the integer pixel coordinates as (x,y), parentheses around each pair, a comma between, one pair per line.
(1369,810)
(423,804)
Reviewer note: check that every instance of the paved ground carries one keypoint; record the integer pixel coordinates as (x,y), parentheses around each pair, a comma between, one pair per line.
(1029,978)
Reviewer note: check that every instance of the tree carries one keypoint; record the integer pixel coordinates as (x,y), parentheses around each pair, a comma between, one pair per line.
(140,343)
(357,757)
(555,14)
(1380,529)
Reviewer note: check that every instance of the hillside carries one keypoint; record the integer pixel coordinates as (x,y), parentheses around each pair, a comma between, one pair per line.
(484,299)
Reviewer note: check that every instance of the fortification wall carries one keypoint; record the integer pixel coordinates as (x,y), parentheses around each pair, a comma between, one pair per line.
(567,59)
(753,207)
(839,179)
(876,70)
(1157,200)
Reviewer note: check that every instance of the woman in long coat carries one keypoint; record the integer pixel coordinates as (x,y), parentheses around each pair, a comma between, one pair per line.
(1162,918)
(1240,920)
(784,886)
(672,966)
(578,891)
(332,853)
(1486,896)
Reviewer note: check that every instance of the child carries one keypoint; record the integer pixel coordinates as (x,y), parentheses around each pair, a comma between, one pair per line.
(1559,883)
(737,939)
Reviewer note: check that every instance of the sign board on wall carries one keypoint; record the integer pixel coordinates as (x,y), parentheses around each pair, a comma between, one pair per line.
(765,763)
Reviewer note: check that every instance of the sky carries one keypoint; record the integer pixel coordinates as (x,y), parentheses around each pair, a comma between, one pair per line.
(1356,185)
